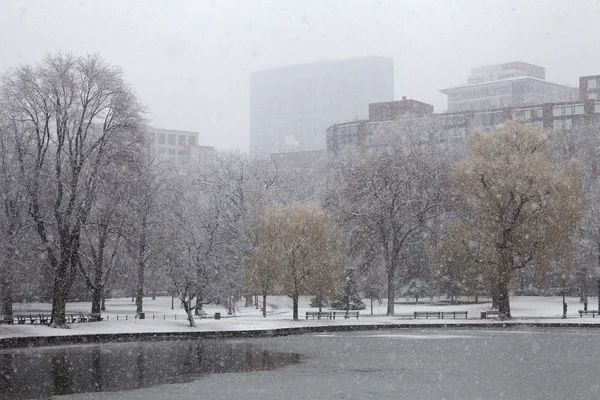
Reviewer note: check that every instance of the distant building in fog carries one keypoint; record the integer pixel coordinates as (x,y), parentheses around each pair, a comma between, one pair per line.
(589,87)
(506,85)
(180,146)
(450,131)
(290,107)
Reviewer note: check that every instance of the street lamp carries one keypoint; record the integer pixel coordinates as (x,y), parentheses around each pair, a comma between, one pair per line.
(563,298)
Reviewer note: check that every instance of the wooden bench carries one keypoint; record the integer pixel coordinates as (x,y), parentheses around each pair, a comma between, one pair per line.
(404,316)
(440,314)
(44,318)
(490,314)
(318,314)
(346,314)
(82,317)
(427,314)
(586,312)
(95,317)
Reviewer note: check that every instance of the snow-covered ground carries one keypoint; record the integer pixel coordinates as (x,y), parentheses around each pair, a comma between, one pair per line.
(160,317)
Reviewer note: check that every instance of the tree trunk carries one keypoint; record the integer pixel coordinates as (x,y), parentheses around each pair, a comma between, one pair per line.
(598,283)
(103,306)
(391,291)
(62,284)
(96,299)
(139,296)
(187,306)
(264,305)
(198,307)
(503,299)
(295,306)
(371,306)
(97,289)
(6,289)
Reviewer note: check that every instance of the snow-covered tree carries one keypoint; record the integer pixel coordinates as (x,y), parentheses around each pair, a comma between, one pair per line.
(305,245)
(68,114)
(523,204)
(390,196)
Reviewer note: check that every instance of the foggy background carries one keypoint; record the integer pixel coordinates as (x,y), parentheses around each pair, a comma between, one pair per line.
(189,61)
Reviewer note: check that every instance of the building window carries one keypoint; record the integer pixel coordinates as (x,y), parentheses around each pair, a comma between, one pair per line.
(172,139)
(161,151)
(563,124)
(592,84)
(182,140)
(597,108)
(171,151)
(161,138)
(593,96)
(192,140)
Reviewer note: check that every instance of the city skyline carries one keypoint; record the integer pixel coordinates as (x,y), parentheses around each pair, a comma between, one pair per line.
(190,63)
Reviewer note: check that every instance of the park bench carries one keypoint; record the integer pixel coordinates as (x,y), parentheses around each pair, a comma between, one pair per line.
(6,319)
(586,312)
(405,316)
(95,317)
(32,319)
(318,314)
(489,314)
(82,317)
(346,314)
(440,314)
(44,318)
(21,319)
(71,318)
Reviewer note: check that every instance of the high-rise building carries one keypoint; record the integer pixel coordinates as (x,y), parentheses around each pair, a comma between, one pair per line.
(290,107)
(506,85)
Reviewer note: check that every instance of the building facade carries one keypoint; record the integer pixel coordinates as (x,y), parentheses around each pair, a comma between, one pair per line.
(506,85)
(290,107)
(589,87)
(179,146)
(451,130)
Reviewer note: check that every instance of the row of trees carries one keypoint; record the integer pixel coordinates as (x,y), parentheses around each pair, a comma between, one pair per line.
(84,205)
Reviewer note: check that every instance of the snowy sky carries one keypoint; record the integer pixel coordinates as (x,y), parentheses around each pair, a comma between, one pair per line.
(189,61)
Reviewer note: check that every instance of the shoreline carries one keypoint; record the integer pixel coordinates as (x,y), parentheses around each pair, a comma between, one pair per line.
(17,342)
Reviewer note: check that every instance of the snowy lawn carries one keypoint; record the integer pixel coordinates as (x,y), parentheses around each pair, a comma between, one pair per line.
(279,315)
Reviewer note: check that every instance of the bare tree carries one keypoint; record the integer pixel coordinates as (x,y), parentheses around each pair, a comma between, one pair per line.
(13,220)
(390,196)
(66,115)
(523,203)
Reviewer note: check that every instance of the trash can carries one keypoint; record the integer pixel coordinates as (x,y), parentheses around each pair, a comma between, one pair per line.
(217,315)
(142,315)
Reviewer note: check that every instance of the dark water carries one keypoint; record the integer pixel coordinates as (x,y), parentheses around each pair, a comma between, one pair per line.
(43,372)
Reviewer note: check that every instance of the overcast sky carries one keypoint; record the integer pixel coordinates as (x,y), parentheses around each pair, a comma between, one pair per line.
(189,61)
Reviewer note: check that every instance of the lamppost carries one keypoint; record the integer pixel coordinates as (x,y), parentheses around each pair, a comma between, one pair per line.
(563,298)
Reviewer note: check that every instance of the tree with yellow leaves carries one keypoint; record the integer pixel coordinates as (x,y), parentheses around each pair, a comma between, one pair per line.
(522,203)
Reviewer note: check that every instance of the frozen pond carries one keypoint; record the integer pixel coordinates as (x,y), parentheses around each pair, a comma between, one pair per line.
(42,372)
(392,364)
